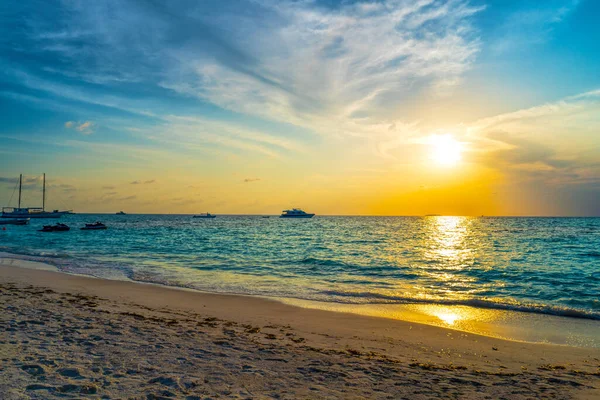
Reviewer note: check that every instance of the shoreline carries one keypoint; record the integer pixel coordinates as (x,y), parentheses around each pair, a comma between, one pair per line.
(80,322)
(498,323)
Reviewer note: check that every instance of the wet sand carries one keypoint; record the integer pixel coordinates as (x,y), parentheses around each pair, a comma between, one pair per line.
(73,336)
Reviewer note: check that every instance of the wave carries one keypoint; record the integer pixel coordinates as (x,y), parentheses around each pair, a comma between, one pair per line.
(379,298)
(593,254)
(113,270)
(321,261)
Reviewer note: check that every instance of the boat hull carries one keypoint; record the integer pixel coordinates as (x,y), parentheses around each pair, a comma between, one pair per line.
(14,221)
(52,229)
(204,217)
(297,216)
(33,215)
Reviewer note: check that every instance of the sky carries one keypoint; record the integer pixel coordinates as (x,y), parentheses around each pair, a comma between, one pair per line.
(392,107)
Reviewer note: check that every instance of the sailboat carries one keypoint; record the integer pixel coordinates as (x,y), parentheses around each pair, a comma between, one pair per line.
(31,212)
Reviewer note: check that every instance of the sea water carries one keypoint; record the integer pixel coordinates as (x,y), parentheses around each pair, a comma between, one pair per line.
(533,265)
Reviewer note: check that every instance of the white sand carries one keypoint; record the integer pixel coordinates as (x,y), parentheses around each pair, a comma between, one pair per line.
(73,336)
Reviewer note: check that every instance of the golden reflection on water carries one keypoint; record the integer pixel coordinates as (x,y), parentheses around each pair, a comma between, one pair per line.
(449,250)
(446,241)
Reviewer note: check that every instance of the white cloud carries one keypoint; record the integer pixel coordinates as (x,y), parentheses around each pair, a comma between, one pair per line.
(318,64)
(85,128)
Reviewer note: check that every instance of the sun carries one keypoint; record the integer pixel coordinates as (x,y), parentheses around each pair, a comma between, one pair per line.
(445,150)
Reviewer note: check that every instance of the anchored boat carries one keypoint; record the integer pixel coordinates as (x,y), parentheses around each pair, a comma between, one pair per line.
(14,221)
(55,228)
(296,213)
(31,212)
(94,227)
(205,216)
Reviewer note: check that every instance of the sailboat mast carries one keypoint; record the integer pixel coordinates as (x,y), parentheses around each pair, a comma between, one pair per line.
(20,184)
(44,194)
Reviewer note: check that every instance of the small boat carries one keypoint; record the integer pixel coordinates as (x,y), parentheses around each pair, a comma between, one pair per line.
(55,228)
(121,213)
(205,216)
(14,221)
(94,227)
(295,213)
(266,216)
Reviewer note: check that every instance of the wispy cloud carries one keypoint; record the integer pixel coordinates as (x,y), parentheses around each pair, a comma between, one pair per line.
(248,180)
(85,128)
(554,143)
(346,62)
(148,182)
(315,66)
(532,24)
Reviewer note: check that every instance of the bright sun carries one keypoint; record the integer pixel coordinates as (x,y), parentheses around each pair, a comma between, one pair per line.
(445,150)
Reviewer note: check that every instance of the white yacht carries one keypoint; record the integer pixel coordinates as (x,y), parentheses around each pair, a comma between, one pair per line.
(31,212)
(295,213)
(205,215)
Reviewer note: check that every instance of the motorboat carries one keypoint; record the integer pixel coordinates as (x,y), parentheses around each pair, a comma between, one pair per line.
(205,216)
(14,221)
(296,213)
(94,227)
(31,212)
(55,228)
(121,213)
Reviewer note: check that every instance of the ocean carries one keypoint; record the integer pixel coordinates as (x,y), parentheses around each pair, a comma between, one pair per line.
(533,265)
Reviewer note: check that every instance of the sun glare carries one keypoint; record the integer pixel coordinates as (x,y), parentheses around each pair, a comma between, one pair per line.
(445,150)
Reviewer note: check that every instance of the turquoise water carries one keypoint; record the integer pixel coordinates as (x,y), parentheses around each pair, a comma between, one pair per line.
(539,265)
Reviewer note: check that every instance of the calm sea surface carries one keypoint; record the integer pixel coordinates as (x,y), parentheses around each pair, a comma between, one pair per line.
(539,265)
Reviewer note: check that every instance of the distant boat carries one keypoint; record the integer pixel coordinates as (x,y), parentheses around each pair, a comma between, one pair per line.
(14,221)
(121,213)
(32,212)
(295,213)
(94,227)
(266,216)
(55,228)
(205,216)
(432,215)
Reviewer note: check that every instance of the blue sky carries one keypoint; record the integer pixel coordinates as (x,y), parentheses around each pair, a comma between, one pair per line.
(247,106)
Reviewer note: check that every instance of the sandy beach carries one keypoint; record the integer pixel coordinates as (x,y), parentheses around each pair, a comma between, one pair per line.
(72,336)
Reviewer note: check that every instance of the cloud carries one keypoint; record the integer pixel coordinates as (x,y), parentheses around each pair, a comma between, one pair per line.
(63,187)
(85,128)
(532,25)
(8,180)
(345,61)
(108,187)
(553,145)
(127,198)
(148,182)
(335,69)
(28,182)
(248,180)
